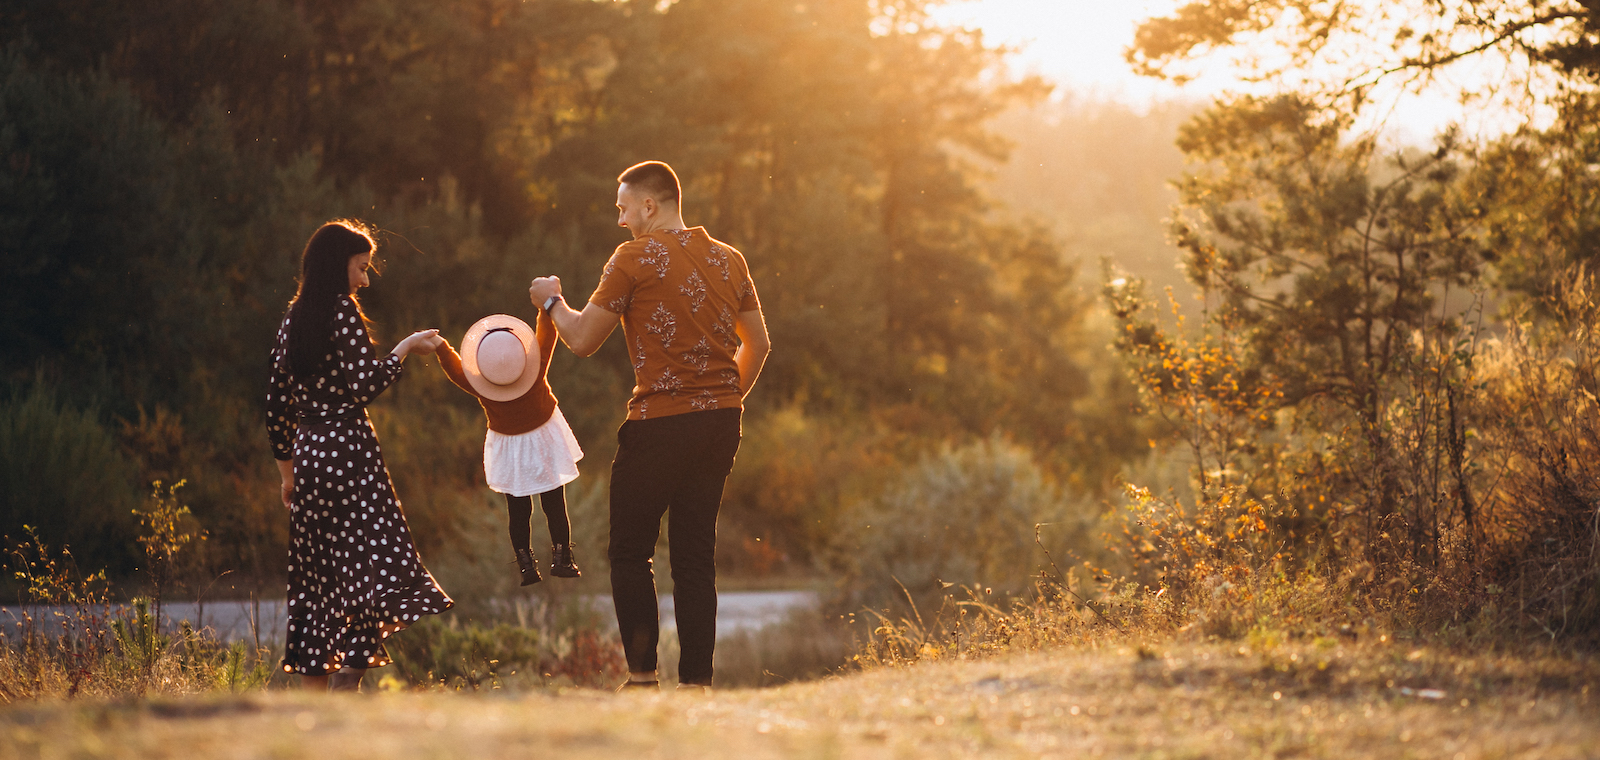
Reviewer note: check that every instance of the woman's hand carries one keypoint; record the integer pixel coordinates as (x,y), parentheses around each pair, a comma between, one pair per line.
(420,342)
(286,471)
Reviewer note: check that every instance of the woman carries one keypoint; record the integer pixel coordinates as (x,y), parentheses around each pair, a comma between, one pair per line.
(354,574)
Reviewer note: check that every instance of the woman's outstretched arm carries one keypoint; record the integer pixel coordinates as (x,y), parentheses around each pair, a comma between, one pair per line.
(366,375)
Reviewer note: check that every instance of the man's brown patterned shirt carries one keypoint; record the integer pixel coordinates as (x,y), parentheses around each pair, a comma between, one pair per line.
(679,293)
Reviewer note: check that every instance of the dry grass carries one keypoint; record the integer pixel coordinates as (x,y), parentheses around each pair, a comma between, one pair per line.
(1265,699)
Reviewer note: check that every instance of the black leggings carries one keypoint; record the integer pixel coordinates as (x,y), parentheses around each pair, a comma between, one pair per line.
(554,503)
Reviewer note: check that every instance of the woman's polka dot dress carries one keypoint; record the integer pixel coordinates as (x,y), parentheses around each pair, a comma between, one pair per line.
(352,566)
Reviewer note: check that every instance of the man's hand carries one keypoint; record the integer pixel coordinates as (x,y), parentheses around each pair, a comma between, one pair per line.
(584,331)
(542,288)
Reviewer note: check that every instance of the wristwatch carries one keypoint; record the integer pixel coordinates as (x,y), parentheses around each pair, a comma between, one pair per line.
(551,301)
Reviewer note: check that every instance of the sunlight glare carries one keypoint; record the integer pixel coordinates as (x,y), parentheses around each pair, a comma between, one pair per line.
(1079,44)
(1076,43)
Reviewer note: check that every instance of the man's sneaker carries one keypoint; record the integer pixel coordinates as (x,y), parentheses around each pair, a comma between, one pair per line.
(529,567)
(562,564)
(632,685)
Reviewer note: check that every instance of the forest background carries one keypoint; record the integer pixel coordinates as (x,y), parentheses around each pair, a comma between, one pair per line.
(1376,371)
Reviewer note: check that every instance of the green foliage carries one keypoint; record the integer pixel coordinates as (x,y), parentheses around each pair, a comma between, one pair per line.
(1338,280)
(1538,198)
(166,168)
(168,529)
(1329,274)
(168,526)
(473,656)
(241,671)
(63,473)
(536,645)
(53,579)
(805,646)
(1348,426)
(138,638)
(86,212)
(799,480)
(964,516)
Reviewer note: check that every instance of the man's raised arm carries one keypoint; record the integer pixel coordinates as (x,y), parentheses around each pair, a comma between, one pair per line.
(583,332)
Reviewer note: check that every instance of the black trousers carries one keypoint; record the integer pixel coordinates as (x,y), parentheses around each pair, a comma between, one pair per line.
(674,466)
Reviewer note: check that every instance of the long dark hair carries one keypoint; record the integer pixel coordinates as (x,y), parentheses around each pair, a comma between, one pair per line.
(324,277)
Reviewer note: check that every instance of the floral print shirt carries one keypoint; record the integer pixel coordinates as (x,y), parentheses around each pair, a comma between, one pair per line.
(679,293)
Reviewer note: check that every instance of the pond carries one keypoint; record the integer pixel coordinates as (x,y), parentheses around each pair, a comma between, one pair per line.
(244,620)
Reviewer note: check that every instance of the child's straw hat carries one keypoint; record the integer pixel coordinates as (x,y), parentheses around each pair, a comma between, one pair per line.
(500,357)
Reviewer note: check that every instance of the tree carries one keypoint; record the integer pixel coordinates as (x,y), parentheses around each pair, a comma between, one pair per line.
(164,165)
(399,94)
(1538,196)
(1339,271)
(1332,50)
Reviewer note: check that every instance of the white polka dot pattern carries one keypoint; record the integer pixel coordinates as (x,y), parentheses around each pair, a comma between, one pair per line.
(353,568)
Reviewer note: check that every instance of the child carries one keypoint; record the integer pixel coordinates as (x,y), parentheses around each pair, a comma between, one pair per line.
(529,448)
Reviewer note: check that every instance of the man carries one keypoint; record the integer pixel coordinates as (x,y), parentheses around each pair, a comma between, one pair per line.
(697,340)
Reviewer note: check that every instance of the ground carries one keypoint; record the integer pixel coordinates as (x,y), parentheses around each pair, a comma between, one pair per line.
(1199,700)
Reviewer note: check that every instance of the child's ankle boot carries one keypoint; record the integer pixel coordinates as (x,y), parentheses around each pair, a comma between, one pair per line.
(529,567)
(562,563)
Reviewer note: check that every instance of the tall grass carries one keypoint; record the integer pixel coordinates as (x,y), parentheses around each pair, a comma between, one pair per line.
(1535,553)
(71,640)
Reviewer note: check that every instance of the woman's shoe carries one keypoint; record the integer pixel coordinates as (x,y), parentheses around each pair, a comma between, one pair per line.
(529,567)
(562,564)
(346,679)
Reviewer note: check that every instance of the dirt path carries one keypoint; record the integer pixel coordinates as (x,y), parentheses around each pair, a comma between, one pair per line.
(1185,701)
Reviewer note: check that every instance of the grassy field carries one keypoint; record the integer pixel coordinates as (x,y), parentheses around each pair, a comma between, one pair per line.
(1319,699)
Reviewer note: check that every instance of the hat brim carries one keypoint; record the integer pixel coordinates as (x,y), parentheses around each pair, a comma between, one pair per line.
(469,358)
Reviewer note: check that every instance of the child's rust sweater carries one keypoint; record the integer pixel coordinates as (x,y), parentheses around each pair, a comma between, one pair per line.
(518,415)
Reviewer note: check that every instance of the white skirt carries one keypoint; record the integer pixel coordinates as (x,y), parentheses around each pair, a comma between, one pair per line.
(539,460)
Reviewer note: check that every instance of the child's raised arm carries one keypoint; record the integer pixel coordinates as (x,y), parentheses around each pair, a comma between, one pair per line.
(450,362)
(545,334)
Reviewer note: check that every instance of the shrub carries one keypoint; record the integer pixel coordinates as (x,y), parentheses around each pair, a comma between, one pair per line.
(806,645)
(62,473)
(973,516)
(1490,529)
(792,491)
(530,645)
(1539,533)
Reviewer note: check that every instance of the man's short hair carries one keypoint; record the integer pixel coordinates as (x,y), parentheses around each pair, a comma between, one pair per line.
(655,178)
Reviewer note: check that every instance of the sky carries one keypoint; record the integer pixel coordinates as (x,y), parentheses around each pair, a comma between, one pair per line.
(1079,44)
